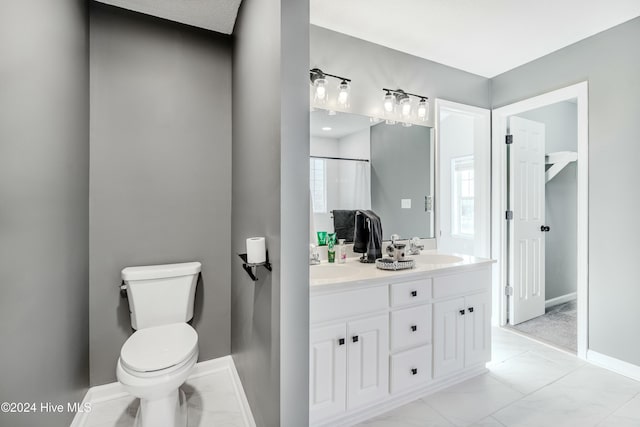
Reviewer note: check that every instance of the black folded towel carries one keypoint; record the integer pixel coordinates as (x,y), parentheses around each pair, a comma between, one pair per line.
(344,223)
(368,235)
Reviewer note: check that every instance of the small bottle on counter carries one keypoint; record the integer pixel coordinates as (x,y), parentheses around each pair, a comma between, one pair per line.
(342,252)
(331,252)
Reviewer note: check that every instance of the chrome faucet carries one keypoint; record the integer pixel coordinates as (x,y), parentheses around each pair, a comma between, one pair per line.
(314,255)
(415,247)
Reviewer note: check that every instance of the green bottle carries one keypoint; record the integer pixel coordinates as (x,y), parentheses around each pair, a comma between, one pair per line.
(331,253)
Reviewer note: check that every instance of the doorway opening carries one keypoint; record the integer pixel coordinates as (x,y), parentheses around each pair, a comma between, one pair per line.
(540,218)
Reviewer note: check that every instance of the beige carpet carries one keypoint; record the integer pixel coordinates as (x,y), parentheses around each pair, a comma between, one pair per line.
(558,326)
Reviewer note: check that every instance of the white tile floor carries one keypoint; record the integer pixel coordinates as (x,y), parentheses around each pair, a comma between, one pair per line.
(212,402)
(529,385)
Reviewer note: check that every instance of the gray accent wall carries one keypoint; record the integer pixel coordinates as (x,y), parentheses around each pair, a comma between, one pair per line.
(400,169)
(160,170)
(561,202)
(610,62)
(372,67)
(44,207)
(270,317)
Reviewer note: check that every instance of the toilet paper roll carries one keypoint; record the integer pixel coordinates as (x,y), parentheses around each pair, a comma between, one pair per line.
(256,250)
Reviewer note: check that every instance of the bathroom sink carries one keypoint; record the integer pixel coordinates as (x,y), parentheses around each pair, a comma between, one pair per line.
(332,272)
(438,259)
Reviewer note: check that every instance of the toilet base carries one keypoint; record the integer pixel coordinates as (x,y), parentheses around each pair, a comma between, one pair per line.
(169,411)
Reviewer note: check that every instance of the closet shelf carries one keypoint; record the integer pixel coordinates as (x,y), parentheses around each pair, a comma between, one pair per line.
(558,160)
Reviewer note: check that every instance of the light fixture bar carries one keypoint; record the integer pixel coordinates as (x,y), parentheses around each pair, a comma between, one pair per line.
(317,72)
(400,91)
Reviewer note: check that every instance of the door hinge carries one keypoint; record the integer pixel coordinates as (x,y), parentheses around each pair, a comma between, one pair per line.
(508,215)
(508,290)
(508,139)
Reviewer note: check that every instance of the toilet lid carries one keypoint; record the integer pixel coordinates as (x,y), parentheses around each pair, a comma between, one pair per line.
(159,347)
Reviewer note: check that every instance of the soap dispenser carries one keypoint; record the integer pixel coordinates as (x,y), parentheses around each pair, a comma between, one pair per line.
(342,252)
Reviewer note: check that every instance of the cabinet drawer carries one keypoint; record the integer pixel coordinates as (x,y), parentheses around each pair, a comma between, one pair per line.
(410,327)
(410,368)
(346,304)
(410,292)
(461,283)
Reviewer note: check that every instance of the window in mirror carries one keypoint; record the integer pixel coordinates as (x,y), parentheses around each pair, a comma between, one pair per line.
(318,182)
(462,209)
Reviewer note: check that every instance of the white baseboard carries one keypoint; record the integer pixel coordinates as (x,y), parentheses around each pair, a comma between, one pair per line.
(113,391)
(560,300)
(616,365)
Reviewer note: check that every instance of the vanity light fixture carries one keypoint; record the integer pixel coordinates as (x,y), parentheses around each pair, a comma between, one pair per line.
(423,109)
(397,104)
(321,93)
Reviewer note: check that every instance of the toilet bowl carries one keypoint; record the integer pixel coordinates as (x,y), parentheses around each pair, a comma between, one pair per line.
(154,362)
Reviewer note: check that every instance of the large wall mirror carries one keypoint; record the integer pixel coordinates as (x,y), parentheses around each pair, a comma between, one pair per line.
(359,164)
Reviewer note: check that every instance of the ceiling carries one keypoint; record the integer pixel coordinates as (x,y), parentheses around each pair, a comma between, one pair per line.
(215,15)
(337,126)
(485,37)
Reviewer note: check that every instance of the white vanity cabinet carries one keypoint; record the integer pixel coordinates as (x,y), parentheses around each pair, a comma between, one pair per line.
(461,321)
(348,360)
(382,342)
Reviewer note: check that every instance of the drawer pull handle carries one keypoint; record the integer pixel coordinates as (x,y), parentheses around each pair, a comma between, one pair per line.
(354,338)
(341,341)
(470,309)
(414,293)
(414,328)
(414,371)
(461,312)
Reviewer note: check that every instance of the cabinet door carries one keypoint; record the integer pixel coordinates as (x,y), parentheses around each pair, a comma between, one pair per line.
(368,360)
(328,371)
(448,336)
(477,329)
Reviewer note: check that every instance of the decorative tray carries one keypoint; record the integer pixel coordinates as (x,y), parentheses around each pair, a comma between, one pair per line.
(390,264)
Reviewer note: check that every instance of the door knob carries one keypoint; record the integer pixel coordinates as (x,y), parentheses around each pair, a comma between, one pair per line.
(545,228)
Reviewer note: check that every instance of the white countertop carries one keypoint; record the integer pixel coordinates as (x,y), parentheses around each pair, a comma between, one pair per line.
(327,275)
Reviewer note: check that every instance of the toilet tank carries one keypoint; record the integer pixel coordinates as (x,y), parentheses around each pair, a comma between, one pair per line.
(161,294)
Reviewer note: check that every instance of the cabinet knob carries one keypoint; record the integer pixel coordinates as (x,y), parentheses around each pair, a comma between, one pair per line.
(414,328)
(462,312)
(414,293)
(414,371)
(341,341)
(470,309)
(354,338)
(545,228)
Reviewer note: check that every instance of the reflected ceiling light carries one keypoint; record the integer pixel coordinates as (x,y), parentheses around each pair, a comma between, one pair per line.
(321,92)
(326,128)
(397,104)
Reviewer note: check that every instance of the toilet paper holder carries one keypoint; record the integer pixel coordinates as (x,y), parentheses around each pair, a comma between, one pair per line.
(251,268)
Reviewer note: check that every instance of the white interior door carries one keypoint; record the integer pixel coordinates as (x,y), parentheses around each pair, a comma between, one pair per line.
(527,201)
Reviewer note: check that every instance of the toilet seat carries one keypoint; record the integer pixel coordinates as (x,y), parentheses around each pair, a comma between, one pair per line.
(156,350)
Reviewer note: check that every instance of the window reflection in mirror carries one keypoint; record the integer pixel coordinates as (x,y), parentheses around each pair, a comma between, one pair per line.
(357,164)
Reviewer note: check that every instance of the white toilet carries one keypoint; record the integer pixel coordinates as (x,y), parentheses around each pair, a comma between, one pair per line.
(157,359)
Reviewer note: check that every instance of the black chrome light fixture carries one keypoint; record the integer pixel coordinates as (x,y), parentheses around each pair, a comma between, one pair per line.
(397,105)
(320,92)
